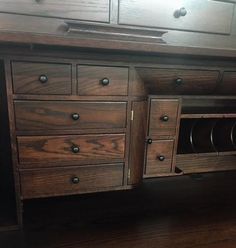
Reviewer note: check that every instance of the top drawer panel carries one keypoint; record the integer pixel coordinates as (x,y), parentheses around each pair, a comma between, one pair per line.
(41,78)
(91,10)
(196,15)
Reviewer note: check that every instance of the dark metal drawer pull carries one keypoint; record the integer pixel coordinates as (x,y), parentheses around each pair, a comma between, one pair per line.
(75,149)
(105,81)
(75,116)
(43,79)
(161,158)
(165,118)
(179,81)
(75,180)
(180,12)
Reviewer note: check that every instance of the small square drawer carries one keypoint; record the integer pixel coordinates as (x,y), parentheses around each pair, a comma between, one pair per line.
(179,81)
(37,183)
(41,78)
(159,157)
(102,81)
(163,117)
(69,115)
(71,149)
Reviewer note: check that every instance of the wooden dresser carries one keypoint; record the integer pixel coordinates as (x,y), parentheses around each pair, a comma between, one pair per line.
(103,94)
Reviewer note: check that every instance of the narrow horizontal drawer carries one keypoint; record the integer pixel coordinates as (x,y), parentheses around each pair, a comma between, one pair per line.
(178,81)
(41,78)
(163,117)
(228,84)
(103,81)
(69,115)
(91,10)
(159,157)
(70,180)
(77,149)
(196,15)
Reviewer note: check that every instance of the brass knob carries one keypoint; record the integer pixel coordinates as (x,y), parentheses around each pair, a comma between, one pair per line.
(105,81)
(75,180)
(43,79)
(161,158)
(75,116)
(75,149)
(179,81)
(165,118)
(149,141)
(180,12)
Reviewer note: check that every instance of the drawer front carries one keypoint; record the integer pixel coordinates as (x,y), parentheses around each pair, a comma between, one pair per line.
(41,78)
(68,181)
(159,157)
(228,84)
(60,115)
(102,81)
(91,10)
(196,15)
(163,117)
(78,149)
(176,81)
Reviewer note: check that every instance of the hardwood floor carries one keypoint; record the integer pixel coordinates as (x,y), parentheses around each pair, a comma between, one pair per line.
(183,212)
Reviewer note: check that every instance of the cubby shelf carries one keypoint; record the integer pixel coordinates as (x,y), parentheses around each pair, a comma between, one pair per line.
(208,116)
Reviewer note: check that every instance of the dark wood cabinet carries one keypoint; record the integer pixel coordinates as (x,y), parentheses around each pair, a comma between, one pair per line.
(102,95)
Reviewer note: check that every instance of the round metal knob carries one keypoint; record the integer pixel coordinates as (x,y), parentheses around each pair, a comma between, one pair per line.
(43,79)
(149,141)
(180,12)
(165,118)
(105,81)
(179,81)
(75,149)
(161,158)
(75,116)
(75,180)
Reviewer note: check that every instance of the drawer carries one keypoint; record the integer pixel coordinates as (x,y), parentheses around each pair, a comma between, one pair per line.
(159,157)
(69,115)
(70,149)
(91,10)
(70,180)
(177,81)
(196,15)
(163,117)
(228,84)
(41,78)
(102,81)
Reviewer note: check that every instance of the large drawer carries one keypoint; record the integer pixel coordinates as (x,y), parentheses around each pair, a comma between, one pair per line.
(78,149)
(69,115)
(159,157)
(102,80)
(70,180)
(91,10)
(179,81)
(41,78)
(196,15)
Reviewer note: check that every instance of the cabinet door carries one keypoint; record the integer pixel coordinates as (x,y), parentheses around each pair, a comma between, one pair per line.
(195,15)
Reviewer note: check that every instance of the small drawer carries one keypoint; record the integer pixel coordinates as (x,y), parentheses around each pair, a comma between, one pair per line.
(228,84)
(41,78)
(159,157)
(90,10)
(68,115)
(102,81)
(70,180)
(195,15)
(71,149)
(178,81)
(163,117)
